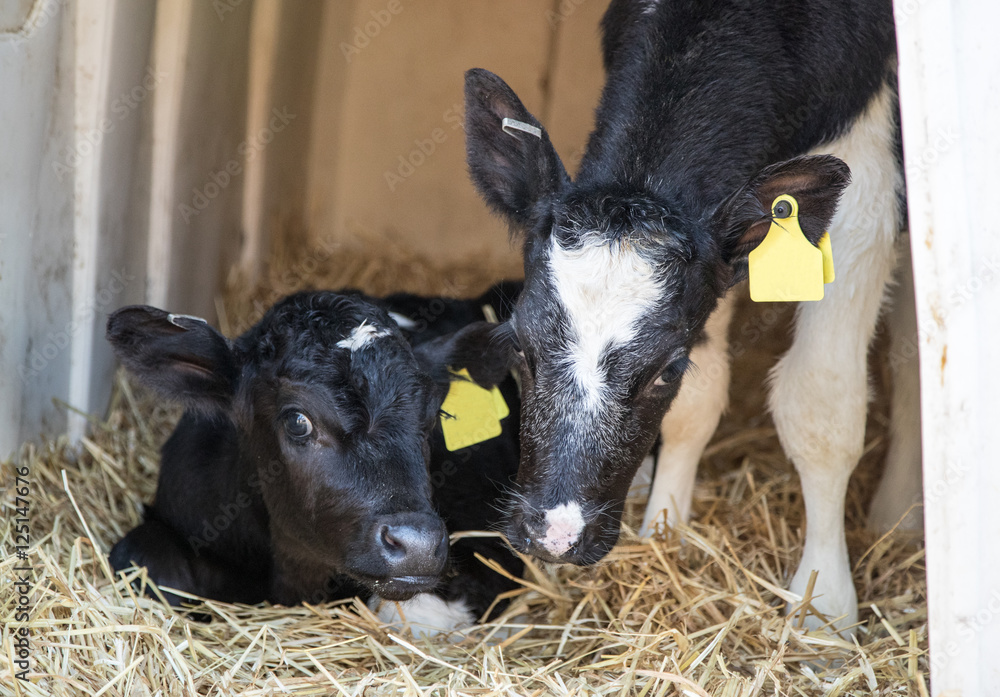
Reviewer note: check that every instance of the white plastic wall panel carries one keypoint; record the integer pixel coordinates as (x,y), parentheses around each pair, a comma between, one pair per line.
(89,167)
(949,73)
(62,205)
(35,227)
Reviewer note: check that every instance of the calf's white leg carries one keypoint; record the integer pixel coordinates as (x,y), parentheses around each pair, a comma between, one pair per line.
(690,423)
(819,395)
(901,485)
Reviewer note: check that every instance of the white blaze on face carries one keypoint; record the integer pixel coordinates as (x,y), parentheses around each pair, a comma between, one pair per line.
(605,291)
(361,335)
(564,525)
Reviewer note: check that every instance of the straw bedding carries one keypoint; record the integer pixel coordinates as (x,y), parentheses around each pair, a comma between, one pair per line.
(696,612)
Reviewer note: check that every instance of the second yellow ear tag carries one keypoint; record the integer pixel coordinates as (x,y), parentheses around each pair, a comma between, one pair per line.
(472,413)
(824,246)
(785,266)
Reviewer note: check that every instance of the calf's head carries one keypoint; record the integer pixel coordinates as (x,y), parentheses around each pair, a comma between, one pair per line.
(333,413)
(619,282)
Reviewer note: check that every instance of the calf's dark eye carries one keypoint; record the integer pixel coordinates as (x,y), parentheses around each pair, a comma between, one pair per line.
(297,424)
(673,372)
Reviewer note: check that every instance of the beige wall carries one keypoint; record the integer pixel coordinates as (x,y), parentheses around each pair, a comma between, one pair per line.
(404,89)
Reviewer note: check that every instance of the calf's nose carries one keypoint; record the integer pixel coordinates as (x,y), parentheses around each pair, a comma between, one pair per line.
(561,534)
(412,544)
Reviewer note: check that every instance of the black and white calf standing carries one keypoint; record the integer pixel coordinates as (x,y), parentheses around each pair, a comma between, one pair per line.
(299,470)
(710,111)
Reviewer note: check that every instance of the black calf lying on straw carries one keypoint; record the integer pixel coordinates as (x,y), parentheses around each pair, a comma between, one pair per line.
(299,471)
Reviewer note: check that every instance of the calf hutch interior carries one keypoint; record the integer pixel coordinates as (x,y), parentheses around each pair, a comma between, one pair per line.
(210,158)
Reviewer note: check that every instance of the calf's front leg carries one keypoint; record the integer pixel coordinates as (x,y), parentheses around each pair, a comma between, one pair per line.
(819,396)
(172,563)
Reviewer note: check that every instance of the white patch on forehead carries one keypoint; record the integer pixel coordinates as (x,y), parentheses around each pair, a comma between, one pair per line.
(565,523)
(605,293)
(361,336)
(650,7)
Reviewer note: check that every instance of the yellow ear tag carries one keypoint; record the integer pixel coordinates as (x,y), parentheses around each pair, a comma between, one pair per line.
(785,266)
(472,413)
(500,404)
(827,250)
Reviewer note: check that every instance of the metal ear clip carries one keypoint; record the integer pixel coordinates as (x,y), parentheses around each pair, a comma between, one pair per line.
(172,319)
(511,125)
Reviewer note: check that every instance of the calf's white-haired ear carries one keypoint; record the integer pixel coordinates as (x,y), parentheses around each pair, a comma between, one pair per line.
(181,357)
(511,159)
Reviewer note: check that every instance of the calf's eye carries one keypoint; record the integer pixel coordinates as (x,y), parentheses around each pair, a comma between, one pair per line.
(297,424)
(673,372)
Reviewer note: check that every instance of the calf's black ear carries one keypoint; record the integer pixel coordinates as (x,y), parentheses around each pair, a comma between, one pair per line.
(181,357)
(514,165)
(473,347)
(815,181)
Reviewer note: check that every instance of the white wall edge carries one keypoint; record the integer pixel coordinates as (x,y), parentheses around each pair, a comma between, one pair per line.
(950,98)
